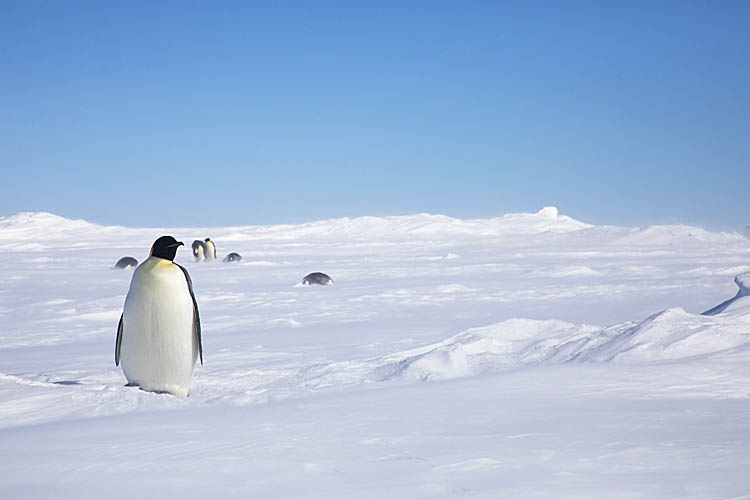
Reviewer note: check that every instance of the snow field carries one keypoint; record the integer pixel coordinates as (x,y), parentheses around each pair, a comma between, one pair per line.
(527,356)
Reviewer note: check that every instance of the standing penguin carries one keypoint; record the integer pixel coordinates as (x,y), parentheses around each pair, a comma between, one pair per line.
(199,251)
(210,249)
(159,334)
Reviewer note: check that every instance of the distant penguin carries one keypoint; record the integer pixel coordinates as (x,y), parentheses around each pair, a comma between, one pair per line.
(233,257)
(199,251)
(125,263)
(210,249)
(317,279)
(159,334)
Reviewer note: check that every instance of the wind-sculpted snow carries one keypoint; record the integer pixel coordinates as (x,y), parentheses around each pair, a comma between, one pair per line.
(521,356)
(500,347)
(509,345)
(741,300)
(669,335)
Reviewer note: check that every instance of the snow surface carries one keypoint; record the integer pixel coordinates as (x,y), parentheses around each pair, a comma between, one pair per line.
(529,356)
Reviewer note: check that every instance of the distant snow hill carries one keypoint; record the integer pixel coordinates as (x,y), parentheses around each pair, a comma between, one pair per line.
(54,231)
(31,231)
(18,231)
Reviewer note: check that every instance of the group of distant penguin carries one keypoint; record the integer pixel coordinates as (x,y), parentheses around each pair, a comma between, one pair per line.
(206,250)
(202,250)
(159,333)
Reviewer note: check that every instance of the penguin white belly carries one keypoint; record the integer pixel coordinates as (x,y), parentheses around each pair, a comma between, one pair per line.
(159,347)
(210,250)
(199,254)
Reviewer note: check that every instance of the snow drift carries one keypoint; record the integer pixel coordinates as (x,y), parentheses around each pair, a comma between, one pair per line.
(739,301)
(672,335)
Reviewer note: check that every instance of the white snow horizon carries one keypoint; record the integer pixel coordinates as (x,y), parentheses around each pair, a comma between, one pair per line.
(522,356)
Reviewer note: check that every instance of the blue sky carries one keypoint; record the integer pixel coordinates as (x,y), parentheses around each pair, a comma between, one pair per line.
(222,113)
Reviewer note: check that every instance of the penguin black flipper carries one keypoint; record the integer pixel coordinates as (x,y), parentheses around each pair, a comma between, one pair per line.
(196,314)
(118,342)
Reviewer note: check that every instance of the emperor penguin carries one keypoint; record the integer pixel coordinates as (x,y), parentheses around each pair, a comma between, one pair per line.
(317,279)
(159,334)
(199,251)
(125,263)
(210,249)
(233,257)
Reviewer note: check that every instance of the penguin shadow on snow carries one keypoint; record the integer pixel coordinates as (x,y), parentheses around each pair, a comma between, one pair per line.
(67,382)
(131,384)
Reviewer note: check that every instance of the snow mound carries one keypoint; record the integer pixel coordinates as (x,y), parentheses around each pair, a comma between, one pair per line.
(498,347)
(36,231)
(27,231)
(739,301)
(550,212)
(33,222)
(672,334)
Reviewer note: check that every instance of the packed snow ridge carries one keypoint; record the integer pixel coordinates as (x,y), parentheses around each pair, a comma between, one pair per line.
(739,301)
(672,334)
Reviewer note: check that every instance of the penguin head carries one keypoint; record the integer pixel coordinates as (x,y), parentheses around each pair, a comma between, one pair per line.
(165,247)
(208,239)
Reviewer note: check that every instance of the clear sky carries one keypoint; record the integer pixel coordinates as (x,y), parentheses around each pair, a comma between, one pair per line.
(150,113)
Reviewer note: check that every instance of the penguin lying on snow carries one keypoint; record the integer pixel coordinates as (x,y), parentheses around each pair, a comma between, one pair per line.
(317,279)
(233,257)
(125,263)
(159,334)
(199,251)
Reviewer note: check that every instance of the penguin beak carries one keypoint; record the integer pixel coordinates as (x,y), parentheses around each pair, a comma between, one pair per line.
(179,243)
